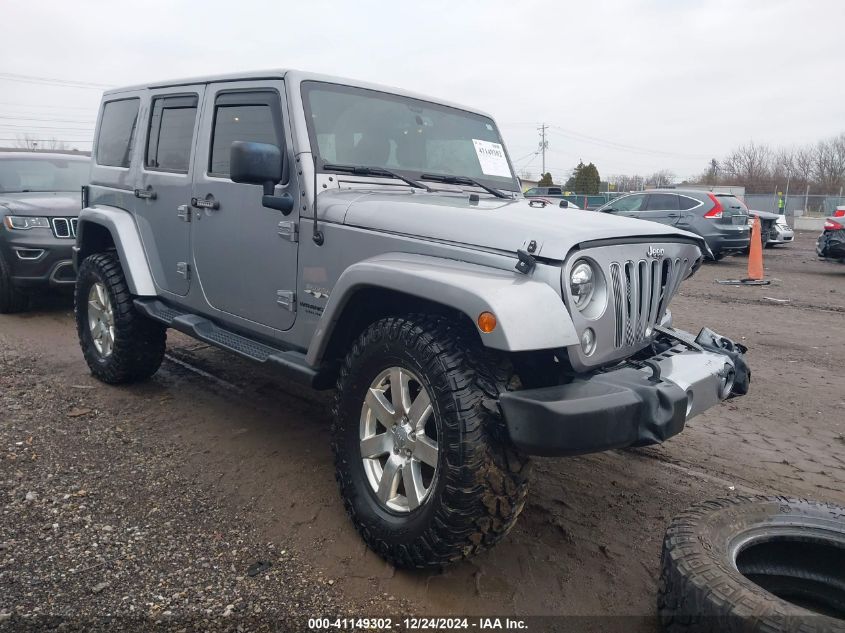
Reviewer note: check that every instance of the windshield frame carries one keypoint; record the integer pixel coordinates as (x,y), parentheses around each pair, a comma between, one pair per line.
(30,158)
(511,187)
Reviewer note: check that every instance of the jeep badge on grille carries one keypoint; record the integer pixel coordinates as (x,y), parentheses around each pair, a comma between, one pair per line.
(656,253)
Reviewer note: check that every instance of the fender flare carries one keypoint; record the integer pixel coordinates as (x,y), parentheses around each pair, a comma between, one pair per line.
(121,225)
(530,314)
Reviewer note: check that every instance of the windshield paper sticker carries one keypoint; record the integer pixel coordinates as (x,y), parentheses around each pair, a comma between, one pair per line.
(491,156)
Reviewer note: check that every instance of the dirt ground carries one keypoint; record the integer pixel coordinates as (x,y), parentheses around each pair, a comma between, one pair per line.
(214,451)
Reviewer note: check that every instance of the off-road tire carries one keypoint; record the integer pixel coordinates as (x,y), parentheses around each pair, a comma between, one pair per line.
(139,342)
(701,589)
(482,482)
(12,299)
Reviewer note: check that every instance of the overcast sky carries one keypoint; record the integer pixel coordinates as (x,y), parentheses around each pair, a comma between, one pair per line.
(634,86)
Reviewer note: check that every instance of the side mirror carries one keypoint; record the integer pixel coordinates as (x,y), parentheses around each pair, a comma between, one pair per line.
(260,164)
(564,204)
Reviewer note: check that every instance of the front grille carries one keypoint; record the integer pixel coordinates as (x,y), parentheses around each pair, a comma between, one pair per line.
(64,228)
(641,292)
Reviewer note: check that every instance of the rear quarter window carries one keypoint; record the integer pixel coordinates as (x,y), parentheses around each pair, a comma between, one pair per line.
(731,202)
(117,131)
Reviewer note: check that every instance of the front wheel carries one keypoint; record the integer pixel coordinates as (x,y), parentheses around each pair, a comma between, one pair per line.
(119,344)
(423,463)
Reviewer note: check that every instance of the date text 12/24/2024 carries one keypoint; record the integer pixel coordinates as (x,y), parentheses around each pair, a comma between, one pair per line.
(417,624)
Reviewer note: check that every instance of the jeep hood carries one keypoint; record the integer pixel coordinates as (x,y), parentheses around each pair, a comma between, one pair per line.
(42,203)
(490,223)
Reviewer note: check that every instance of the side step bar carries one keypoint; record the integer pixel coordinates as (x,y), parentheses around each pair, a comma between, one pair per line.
(291,363)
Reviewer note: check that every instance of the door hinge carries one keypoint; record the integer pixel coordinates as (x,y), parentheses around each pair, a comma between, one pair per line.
(288,230)
(286,299)
(184,269)
(184,212)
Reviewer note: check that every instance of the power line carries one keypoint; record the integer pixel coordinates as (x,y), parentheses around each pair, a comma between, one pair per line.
(46,105)
(65,83)
(614,145)
(53,119)
(45,127)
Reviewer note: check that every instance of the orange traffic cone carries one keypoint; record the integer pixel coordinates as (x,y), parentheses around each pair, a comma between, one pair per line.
(755,253)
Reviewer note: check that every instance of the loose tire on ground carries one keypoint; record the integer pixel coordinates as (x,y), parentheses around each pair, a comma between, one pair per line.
(139,343)
(480,484)
(12,299)
(754,564)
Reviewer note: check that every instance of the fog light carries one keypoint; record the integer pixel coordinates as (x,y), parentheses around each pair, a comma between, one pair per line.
(486,322)
(588,341)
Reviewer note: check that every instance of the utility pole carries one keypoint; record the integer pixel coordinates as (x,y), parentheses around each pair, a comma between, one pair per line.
(544,144)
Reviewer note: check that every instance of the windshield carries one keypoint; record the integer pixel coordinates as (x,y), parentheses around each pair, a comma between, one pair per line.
(42,174)
(355,126)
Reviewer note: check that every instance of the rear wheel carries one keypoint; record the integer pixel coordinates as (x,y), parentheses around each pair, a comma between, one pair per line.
(421,456)
(12,299)
(119,344)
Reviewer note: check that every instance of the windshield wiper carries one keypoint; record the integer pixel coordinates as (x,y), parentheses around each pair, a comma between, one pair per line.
(360,170)
(462,180)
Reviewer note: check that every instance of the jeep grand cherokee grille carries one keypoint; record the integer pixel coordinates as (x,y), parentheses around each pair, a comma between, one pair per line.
(64,228)
(640,292)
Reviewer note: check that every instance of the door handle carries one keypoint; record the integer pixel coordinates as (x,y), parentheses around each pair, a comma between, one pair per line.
(674,215)
(146,194)
(210,203)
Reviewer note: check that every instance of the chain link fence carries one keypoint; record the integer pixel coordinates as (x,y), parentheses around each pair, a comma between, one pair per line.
(812,205)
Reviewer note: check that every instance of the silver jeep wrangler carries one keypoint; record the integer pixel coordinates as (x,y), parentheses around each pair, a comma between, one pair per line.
(373,241)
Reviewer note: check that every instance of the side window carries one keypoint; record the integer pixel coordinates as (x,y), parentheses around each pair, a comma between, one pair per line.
(629,203)
(685,203)
(555,191)
(171,133)
(117,130)
(534,191)
(245,116)
(662,202)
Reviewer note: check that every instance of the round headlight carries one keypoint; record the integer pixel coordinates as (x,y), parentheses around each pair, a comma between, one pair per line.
(581,284)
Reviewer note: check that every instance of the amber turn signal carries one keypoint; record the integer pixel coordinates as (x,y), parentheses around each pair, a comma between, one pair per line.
(486,322)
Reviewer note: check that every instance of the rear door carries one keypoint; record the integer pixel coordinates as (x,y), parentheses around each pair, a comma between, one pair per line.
(245,253)
(661,207)
(164,190)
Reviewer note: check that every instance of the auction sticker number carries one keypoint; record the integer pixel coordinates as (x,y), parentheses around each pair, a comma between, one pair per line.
(491,157)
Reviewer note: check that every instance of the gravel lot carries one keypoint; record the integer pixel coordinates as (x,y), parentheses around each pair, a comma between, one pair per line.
(156,503)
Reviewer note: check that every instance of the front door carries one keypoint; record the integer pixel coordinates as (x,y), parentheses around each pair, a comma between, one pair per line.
(245,254)
(164,186)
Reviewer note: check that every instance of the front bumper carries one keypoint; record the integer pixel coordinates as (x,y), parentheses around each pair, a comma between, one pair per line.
(36,258)
(629,406)
(781,235)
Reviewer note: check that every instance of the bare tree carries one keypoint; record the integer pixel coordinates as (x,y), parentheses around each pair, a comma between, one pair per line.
(26,141)
(750,165)
(662,178)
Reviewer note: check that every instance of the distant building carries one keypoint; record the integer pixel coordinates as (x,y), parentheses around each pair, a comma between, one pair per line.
(739,192)
(527,183)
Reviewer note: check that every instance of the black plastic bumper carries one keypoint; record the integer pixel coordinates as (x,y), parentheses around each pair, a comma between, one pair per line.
(613,410)
(37,259)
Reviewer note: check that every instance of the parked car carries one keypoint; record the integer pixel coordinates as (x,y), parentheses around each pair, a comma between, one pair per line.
(546,192)
(782,233)
(721,219)
(831,243)
(774,228)
(39,205)
(374,241)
